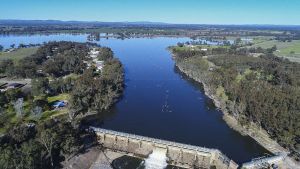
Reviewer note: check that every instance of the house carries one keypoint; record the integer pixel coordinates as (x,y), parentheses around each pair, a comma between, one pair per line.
(204,49)
(99,65)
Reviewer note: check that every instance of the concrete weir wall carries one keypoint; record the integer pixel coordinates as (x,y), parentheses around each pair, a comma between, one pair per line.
(177,153)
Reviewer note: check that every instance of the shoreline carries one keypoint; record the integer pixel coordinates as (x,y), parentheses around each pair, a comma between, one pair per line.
(253,131)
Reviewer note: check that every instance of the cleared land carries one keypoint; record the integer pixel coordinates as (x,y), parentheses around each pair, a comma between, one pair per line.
(289,50)
(18,54)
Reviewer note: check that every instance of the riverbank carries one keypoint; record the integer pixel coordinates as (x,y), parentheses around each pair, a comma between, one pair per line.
(252,130)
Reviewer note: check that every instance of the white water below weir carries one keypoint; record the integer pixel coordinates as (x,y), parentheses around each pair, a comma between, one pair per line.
(157,159)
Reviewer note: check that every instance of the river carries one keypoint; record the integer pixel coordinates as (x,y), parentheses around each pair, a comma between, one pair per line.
(158,100)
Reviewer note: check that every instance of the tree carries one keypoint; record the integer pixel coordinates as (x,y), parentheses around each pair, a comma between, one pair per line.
(3,99)
(37,112)
(1,48)
(105,54)
(6,157)
(97,93)
(18,106)
(238,41)
(274,48)
(48,139)
(21,133)
(13,95)
(40,86)
(82,94)
(21,45)
(30,155)
(180,44)
(5,64)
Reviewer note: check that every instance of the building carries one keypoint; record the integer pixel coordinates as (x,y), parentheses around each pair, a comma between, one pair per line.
(99,64)
(94,53)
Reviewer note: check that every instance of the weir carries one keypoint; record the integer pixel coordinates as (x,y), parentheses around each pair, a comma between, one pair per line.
(265,162)
(177,154)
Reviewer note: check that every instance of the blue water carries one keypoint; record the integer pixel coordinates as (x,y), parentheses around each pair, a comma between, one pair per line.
(158,100)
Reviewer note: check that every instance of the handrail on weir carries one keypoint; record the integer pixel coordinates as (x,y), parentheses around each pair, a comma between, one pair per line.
(267,160)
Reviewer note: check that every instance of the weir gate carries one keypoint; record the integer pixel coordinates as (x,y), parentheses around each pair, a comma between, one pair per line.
(178,154)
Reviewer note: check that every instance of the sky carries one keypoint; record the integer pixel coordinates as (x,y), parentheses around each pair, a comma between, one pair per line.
(279,12)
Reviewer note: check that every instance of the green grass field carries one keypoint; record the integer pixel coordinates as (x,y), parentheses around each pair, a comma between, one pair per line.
(18,54)
(63,96)
(260,39)
(289,50)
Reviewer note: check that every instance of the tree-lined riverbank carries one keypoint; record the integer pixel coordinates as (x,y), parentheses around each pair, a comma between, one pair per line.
(232,79)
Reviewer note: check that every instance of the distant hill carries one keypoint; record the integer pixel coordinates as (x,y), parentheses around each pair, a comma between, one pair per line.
(13,22)
(59,22)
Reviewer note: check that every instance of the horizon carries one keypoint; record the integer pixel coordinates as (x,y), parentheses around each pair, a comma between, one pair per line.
(225,12)
(152,22)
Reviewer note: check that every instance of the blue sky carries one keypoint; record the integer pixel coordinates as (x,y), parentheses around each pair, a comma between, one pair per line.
(285,12)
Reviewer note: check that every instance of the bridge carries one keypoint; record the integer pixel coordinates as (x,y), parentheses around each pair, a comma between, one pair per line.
(178,154)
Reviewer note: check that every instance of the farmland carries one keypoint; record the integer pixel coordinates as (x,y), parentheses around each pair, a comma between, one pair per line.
(18,54)
(289,50)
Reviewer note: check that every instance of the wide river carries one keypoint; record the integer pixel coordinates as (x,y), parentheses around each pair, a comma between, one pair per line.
(158,100)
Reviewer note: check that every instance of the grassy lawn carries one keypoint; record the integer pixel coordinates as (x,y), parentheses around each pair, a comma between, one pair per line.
(260,39)
(18,54)
(58,112)
(54,113)
(63,96)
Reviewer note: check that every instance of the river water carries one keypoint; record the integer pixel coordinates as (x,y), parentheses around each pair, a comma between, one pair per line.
(158,100)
